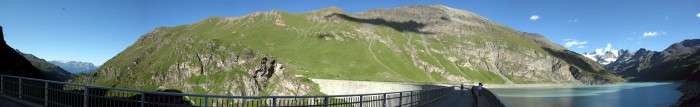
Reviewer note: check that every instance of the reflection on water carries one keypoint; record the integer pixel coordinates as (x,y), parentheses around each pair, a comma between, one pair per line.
(648,94)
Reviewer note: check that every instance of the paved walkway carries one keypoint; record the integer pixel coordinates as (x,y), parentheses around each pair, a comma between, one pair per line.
(456,99)
(8,103)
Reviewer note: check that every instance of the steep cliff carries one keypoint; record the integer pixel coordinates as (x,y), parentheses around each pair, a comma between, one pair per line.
(275,52)
(14,64)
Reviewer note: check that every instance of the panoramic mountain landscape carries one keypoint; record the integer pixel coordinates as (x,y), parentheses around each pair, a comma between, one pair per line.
(423,44)
(332,53)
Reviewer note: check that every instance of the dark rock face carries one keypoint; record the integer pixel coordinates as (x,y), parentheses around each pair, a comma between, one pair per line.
(631,66)
(682,48)
(691,95)
(12,63)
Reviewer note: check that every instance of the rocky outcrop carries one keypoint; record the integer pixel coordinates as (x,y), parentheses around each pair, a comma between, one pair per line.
(184,62)
(13,63)
(691,95)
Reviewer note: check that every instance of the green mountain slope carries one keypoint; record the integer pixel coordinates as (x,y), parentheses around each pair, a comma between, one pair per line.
(421,44)
(51,71)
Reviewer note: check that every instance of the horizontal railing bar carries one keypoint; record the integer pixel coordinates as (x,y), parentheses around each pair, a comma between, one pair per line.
(94,93)
(216,96)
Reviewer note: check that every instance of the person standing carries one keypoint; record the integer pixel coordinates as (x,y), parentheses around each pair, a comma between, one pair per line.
(479,87)
(461,89)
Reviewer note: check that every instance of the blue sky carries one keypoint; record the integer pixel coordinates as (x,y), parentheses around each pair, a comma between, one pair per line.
(97,30)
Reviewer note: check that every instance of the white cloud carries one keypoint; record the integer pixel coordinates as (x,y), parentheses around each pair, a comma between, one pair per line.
(581,46)
(573,20)
(599,51)
(534,17)
(608,48)
(574,42)
(653,34)
(698,15)
(602,51)
(650,34)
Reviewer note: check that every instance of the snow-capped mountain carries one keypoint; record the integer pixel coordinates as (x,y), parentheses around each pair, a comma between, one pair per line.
(604,56)
(75,67)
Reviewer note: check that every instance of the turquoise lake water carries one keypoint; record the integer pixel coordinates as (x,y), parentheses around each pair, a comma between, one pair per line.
(646,94)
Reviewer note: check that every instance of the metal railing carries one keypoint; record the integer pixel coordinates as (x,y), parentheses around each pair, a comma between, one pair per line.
(63,94)
(491,98)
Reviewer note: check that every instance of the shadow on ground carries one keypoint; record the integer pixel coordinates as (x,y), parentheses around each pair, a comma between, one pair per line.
(409,26)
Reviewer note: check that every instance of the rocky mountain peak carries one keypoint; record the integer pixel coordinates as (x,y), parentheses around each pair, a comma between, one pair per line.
(684,47)
(604,56)
(677,62)
(331,9)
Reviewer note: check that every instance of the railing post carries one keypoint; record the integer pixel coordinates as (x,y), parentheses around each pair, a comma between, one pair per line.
(206,101)
(19,85)
(325,101)
(411,104)
(274,101)
(361,101)
(85,96)
(143,99)
(46,93)
(384,101)
(400,98)
(2,84)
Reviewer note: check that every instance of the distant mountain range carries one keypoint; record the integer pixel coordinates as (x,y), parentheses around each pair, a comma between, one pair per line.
(75,67)
(259,53)
(680,61)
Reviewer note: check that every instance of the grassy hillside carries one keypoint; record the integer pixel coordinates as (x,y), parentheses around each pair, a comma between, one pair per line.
(223,55)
